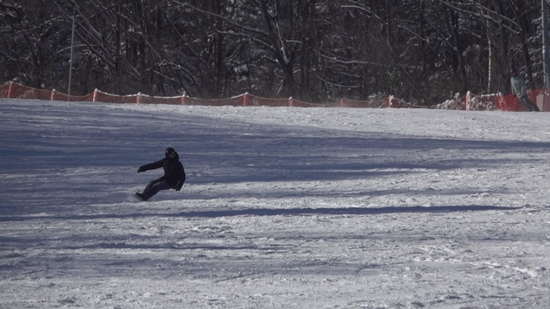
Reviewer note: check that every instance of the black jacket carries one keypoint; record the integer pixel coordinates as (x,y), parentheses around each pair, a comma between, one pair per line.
(174,173)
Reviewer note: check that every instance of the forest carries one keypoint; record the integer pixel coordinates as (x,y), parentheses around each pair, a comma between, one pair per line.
(423,51)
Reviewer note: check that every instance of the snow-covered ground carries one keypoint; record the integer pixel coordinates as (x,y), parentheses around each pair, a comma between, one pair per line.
(282,208)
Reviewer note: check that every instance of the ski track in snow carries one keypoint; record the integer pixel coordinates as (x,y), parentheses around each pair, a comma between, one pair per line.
(283,208)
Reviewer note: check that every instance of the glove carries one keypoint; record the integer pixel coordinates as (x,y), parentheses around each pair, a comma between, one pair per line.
(141,169)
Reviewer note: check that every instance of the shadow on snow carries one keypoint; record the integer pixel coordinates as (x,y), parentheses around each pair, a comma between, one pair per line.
(272,212)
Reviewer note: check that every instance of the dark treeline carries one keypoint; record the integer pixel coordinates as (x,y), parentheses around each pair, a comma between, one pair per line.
(423,51)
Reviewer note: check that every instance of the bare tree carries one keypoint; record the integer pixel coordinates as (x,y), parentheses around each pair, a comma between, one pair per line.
(423,51)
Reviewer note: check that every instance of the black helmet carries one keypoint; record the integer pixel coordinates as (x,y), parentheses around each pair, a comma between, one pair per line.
(513,71)
(170,153)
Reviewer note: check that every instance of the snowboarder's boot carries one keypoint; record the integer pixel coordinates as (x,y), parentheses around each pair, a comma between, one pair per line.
(140,196)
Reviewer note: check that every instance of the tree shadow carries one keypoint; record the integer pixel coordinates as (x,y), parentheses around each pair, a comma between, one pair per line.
(69,158)
(359,211)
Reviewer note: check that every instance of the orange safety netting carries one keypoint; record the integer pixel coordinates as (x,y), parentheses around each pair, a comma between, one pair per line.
(468,102)
(234,101)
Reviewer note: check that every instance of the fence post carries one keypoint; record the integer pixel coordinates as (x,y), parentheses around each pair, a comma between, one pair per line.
(290,102)
(138,98)
(245,100)
(390,103)
(342,102)
(10,89)
(94,97)
(53,95)
(545,100)
(183,99)
(468,98)
(500,101)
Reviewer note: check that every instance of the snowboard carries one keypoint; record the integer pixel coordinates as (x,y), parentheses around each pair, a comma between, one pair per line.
(138,197)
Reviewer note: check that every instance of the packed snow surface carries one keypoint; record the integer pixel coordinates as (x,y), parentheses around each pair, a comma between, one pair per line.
(282,208)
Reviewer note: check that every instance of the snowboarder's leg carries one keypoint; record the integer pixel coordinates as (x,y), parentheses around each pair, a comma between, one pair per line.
(153,188)
(528,104)
(152,183)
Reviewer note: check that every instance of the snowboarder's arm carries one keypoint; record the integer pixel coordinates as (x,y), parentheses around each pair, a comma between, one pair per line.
(150,166)
(181,181)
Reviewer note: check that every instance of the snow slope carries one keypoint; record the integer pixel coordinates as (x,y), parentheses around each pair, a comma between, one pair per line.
(283,208)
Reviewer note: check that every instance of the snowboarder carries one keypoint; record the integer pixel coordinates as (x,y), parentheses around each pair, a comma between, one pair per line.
(519,89)
(174,175)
